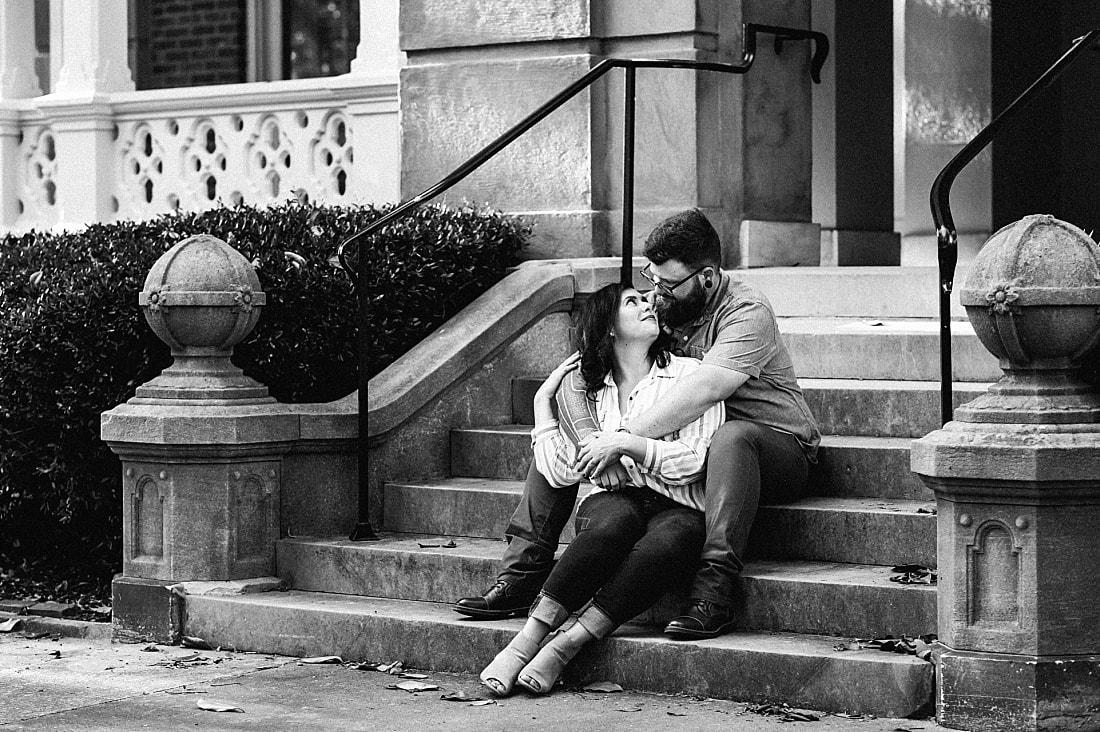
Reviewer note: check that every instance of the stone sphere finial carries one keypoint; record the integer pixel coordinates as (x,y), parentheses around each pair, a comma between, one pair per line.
(202,294)
(1033,296)
(202,298)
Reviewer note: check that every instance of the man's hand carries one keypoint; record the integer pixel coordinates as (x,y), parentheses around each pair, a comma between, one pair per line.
(614,478)
(598,451)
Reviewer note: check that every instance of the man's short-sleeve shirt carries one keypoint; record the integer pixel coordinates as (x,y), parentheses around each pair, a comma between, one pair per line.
(738,331)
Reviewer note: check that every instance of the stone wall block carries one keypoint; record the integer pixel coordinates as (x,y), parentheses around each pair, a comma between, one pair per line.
(450,112)
(448,23)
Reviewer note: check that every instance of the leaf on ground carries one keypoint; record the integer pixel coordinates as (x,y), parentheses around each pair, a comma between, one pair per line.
(604,687)
(151,649)
(36,636)
(676,714)
(411,675)
(449,545)
(852,645)
(914,574)
(413,686)
(459,696)
(321,659)
(190,641)
(630,709)
(483,703)
(209,705)
(395,667)
(9,625)
(55,654)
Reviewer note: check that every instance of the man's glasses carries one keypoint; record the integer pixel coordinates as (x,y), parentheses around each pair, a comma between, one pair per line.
(661,286)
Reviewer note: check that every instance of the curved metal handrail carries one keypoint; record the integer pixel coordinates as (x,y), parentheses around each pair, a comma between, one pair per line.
(363,530)
(940,195)
(748,55)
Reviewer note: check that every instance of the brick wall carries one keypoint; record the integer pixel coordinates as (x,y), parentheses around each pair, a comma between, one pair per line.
(190,43)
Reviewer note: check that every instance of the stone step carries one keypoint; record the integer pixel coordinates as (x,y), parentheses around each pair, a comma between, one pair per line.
(855,292)
(872,348)
(802,597)
(868,407)
(801,670)
(858,530)
(847,466)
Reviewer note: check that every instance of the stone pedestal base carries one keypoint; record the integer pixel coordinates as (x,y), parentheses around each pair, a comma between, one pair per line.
(145,610)
(779,244)
(1003,692)
(849,248)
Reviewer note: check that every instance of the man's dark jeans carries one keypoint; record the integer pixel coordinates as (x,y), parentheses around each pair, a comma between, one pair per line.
(631,547)
(747,463)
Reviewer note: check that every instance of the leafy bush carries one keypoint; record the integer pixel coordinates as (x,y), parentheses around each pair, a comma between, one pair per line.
(73,342)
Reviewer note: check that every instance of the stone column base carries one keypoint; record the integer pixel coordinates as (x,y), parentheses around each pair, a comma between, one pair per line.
(779,244)
(849,248)
(146,610)
(1004,692)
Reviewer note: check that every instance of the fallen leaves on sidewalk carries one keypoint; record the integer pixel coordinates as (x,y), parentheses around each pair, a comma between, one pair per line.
(321,659)
(209,705)
(459,696)
(913,574)
(394,667)
(783,711)
(190,641)
(603,687)
(413,686)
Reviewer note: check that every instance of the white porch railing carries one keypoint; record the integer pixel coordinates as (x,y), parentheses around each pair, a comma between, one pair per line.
(333,139)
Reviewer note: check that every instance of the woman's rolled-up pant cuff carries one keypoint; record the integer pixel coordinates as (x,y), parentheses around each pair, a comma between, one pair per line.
(597,622)
(548,610)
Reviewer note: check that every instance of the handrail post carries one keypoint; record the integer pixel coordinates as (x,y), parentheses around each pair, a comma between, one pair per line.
(363,530)
(627,274)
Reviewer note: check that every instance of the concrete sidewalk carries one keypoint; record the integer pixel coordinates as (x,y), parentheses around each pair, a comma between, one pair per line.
(61,683)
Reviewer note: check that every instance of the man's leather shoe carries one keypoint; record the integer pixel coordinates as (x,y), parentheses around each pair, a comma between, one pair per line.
(701,619)
(503,600)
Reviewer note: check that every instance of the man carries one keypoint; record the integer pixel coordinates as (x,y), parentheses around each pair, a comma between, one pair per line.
(763,450)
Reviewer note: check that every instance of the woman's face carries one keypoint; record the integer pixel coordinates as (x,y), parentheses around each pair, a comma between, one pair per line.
(636,319)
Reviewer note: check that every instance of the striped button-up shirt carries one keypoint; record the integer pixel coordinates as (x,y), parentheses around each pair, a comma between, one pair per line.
(673,465)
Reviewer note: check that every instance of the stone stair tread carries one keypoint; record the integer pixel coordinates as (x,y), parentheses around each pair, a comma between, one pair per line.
(794,570)
(821,503)
(799,669)
(962,387)
(435,612)
(870,325)
(826,440)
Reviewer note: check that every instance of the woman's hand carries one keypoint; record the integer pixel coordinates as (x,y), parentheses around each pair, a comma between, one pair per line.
(598,450)
(549,387)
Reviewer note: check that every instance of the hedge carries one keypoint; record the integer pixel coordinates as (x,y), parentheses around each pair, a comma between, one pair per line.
(73,342)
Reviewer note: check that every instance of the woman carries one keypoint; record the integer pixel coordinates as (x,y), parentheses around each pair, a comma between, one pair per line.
(634,543)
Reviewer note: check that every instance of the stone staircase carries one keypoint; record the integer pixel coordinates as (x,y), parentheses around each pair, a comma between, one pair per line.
(818,574)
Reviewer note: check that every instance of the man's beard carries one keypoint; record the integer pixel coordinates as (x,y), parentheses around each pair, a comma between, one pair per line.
(675,313)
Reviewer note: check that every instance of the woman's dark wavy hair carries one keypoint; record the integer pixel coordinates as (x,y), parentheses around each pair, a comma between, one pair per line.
(594,325)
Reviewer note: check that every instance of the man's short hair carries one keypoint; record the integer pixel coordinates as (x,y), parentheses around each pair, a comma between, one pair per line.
(687,237)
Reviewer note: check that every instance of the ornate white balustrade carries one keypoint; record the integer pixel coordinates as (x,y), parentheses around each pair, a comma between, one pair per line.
(334,140)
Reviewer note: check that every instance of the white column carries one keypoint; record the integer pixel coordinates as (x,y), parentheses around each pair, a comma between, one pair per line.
(93,64)
(94,55)
(17,52)
(378,53)
(375,132)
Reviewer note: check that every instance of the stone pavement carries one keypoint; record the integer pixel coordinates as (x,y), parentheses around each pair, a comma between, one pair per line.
(62,683)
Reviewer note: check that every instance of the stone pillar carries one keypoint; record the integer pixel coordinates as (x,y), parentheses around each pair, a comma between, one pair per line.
(737,147)
(93,64)
(201,444)
(1017,482)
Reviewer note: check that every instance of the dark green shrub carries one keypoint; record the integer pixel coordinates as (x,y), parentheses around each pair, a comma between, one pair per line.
(73,342)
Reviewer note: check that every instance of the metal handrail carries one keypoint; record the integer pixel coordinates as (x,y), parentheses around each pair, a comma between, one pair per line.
(363,530)
(940,194)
